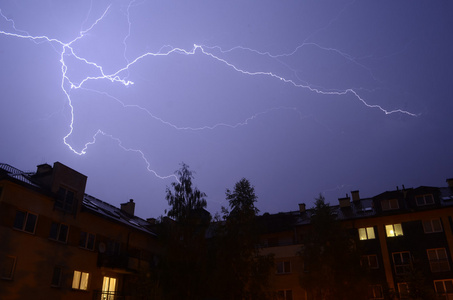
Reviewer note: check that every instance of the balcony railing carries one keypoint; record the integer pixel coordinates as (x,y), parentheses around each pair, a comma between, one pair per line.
(101,295)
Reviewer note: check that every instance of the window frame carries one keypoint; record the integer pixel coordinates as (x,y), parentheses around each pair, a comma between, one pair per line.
(430,222)
(84,241)
(424,197)
(390,204)
(62,200)
(57,283)
(444,292)
(375,292)
(24,224)
(77,280)
(366,233)
(438,264)
(403,290)
(285,264)
(405,266)
(10,274)
(366,259)
(58,232)
(394,229)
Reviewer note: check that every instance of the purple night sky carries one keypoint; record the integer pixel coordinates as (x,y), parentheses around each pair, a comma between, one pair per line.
(292,95)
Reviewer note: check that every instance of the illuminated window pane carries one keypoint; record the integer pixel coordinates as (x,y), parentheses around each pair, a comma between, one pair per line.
(362,234)
(398,229)
(80,280)
(394,230)
(76,280)
(84,281)
(370,233)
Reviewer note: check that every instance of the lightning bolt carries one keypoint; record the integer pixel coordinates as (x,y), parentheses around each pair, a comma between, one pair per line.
(66,49)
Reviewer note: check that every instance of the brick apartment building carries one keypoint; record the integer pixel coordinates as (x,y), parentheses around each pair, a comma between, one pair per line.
(56,242)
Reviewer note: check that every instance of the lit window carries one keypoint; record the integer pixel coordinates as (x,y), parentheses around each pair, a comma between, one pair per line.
(424,200)
(285,295)
(438,260)
(394,230)
(366,233)
(59,232)
(430,226)
(403,290)
(444,287)
(7,265)
(283,267)
(80,280)
(375,292)
(402,262)
(56,276)
(108,288)
(389,204)
(25,221)
(370,261)
(65,200)
(87,240)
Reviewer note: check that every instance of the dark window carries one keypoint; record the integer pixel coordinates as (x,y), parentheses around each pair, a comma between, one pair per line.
(424,199)
(56,276)
(7,266)
(402,262)
(25,221)
(438,260)
(370,261)
(87,240)
(59,232)
(283,267)
(389,204)
(65,200)
(285,295)
(431,226)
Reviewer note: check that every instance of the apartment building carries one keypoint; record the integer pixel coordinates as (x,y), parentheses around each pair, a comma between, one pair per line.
(56,242)
(405,238)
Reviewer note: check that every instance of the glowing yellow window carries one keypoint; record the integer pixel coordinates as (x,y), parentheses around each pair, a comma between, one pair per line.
(366,233)
(80,280)
(394,230)
(108,288)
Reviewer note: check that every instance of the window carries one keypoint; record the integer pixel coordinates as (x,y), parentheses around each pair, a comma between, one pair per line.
(366,233)
(285,295)
(80,280)
(430,226)
(56,276)
(7,266)
(108,288)
(65,200)
(394,230)
(402,262)
(375,292)
(87,240)
(438,260)
(424,199)
(403,290)
(59,232)
(444,287)
(25,221)
(389,204)
(370,261)
(283,267)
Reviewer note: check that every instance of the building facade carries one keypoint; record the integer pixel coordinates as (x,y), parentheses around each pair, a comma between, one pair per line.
(404,236)
(59,243)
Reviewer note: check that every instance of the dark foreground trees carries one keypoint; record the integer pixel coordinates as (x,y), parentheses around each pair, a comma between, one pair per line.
(240,271)
(332,268)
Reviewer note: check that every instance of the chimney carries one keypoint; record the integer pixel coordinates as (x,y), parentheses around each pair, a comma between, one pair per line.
(44,168)
(301,207)
(344,202)
(355,196)
(450,182)
(128,207)
(151,221)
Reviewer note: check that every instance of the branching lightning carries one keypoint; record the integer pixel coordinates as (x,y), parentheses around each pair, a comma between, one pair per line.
(66,49)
